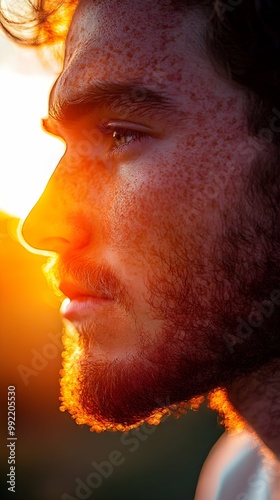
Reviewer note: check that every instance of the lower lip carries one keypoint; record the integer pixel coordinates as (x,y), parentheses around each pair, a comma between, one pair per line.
(83,307)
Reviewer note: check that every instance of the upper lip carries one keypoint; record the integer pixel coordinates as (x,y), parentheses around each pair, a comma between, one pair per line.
(74,291)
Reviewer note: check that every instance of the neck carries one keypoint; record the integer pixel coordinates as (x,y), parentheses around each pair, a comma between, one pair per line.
(257,399)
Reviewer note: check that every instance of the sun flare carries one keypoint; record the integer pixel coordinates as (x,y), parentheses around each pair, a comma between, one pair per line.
(28,155)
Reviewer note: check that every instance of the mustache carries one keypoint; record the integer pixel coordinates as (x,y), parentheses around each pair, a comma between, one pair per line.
(86,275)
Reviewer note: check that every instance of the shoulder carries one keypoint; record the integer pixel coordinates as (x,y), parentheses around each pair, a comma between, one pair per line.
(235,470)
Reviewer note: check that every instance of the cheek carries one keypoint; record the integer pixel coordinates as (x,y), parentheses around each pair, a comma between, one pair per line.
(177,190)
(146,204)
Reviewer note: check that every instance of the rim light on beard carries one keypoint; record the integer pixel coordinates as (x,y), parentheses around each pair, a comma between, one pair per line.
(71,391)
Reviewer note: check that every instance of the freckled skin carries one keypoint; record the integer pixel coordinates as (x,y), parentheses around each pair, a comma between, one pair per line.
(157,216)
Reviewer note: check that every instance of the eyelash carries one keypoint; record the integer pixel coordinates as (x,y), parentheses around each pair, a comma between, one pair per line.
(137,135)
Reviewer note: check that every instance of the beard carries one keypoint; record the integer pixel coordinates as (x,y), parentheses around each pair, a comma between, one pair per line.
(203,304)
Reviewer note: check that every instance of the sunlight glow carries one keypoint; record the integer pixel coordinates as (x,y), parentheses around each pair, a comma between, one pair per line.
(218,401)
(28,155)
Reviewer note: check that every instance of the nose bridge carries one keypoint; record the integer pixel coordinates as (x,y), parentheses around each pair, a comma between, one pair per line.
(59,220)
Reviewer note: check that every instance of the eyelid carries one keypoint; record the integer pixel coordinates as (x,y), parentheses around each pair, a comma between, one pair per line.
(139,131)
(106,124)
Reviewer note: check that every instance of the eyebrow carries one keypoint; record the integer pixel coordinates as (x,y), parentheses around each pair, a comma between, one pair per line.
(127,98)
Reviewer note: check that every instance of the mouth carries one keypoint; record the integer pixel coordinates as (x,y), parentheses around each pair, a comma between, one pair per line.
(81,303)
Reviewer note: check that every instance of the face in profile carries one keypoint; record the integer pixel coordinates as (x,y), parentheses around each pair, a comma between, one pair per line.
(153,216)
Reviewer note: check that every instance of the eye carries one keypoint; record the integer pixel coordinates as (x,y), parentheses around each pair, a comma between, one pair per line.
(122,136)
(124,139)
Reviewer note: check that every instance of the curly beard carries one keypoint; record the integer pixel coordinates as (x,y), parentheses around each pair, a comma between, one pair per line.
(203,305)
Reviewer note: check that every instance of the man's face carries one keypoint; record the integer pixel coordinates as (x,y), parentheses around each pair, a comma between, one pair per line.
(145,211)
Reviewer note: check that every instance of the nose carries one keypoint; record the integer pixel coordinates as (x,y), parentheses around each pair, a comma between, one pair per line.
(58,222)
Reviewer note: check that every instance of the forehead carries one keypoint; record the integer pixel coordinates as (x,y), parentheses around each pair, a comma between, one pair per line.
(149,39)
(136,23)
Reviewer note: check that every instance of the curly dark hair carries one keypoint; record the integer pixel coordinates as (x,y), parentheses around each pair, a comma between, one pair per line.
(242,38)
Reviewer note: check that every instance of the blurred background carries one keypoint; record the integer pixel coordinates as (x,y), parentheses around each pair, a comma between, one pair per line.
(54,456)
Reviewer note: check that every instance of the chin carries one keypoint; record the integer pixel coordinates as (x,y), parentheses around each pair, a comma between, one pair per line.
(115,395)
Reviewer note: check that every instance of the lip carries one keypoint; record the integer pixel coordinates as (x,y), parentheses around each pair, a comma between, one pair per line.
(83,307)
